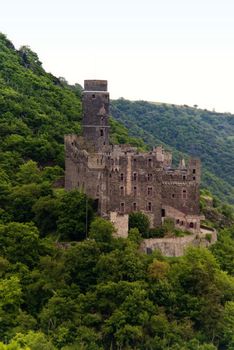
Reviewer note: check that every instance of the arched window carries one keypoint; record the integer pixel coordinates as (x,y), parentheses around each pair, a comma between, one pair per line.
(135,190)
(122,207)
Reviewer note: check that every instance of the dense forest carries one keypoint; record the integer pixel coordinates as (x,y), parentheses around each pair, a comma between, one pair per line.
(192,131)
(63,286)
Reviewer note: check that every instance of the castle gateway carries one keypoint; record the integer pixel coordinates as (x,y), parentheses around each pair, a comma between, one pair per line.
(123,180)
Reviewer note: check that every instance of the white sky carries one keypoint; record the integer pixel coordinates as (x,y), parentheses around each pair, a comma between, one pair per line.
(175,51)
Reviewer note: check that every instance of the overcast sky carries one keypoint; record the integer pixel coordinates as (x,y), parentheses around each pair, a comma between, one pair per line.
(175,51)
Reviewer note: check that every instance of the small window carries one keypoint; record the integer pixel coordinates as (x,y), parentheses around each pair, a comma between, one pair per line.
(191,225)
(150,191)
(150,162)
(149,206)
(184,194)
(150,177)
(134,176)
(135,190)
(93,96)
(122,177)
(184,177)
(177,221)
(194,178)
(194,171)
(173,195)
(101,132)
(121,190)
(182,223)
(163,213)
(97,190)
(134,206)
(122,207)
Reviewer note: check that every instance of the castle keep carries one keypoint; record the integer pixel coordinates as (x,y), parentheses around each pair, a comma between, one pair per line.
(123,180)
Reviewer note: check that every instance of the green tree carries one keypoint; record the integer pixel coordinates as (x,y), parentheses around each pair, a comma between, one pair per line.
(140,221)
(75,214)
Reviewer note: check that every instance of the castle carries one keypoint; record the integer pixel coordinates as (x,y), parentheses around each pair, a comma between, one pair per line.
(122,179)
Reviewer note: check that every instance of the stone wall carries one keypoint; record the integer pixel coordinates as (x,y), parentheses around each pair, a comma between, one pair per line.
(176,246)
(120,221)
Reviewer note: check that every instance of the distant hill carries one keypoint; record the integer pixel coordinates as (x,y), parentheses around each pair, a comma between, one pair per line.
(187,130)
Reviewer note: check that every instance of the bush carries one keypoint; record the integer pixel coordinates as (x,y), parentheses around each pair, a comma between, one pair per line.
(140,221)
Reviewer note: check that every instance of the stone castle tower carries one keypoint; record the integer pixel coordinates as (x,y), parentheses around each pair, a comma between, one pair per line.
(123,180)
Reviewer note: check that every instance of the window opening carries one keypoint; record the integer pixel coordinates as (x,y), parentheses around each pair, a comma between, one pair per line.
(150,191)
(135,190)
(150,176)
(149,206)
(122,207)
(150,162)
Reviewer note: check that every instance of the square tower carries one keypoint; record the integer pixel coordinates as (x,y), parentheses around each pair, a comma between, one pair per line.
(96,113)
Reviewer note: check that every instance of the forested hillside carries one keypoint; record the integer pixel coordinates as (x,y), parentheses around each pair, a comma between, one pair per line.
(60,290)
(192,131)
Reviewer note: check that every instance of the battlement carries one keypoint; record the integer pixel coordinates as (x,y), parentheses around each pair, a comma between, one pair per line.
(95,85)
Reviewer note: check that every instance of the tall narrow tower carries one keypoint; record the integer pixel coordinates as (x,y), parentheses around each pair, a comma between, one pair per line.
(96,113)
